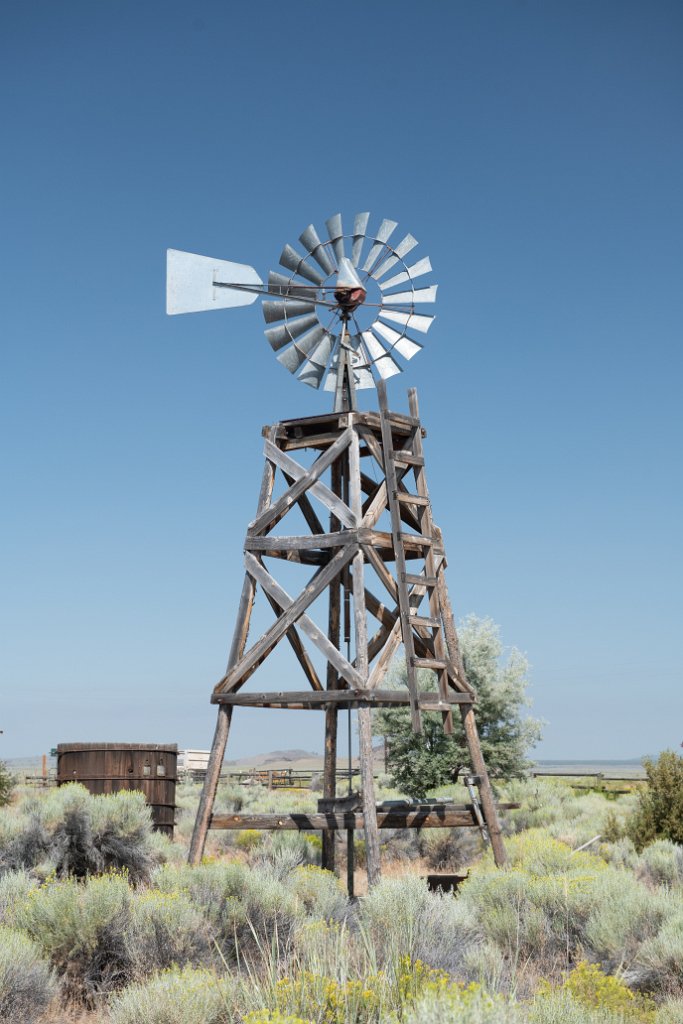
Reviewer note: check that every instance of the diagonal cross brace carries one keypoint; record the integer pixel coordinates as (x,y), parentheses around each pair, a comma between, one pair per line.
(271,516)
(250,661)
(329,499)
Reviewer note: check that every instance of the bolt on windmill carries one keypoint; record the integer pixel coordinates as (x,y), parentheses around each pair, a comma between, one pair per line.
(356,484)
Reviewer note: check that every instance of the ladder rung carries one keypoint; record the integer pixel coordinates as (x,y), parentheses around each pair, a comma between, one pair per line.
(408,459)
(419,581)
(424,620)
(411,499)
(434,663)
(416,538)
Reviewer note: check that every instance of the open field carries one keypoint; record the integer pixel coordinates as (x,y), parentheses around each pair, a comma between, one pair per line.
(102,921)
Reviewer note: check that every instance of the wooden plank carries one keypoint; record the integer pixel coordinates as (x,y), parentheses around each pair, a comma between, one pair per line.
(407,458)
(309,513)
(450,632)
(250,661)
(303,542)
(380,611)
(353,697)
(427,818)
(425,620)
(220,738)
(307,625)
(411,499)
(436,664)
(271,516)
(431,566)
(333,682)
(330,500)
(397,539)
(365,756)
(298,647)
(488,803)
(420,579)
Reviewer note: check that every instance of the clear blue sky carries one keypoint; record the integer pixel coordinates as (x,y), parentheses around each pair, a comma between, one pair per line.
(534,149)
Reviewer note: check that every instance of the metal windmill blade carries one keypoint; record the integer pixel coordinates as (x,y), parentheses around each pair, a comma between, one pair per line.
(372,350)
(340,308)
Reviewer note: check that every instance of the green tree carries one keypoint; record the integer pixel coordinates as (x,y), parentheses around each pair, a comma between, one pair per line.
(659,812)
(6,784)
(421,763)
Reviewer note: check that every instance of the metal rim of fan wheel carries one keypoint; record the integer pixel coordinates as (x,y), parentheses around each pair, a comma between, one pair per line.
(310,328)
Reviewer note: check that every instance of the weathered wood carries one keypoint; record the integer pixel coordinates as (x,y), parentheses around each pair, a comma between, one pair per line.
(331,716)
(372,857)
(380,611)
(449,629)
(294,613)
(407,458)
(300,543)
(395,818)
(354,697)
(222,730)
(330,500)
(412,499)
(399,553)
(431,565)
(309,513)
(306,624)
(271,516)
(298,647)
(488,803)
(380,568)
(435,664)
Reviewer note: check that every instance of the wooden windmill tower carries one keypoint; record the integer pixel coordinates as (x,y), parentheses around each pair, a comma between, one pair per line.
(371,553)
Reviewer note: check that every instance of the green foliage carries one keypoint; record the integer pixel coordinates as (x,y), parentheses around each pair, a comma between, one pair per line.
(7,782)
(591,987)
(661,864)
(80,928)
(70,832)
(164,929)
(27,985)
(401,918)
(249,839)
(659,813)
(178,996)
(421,763)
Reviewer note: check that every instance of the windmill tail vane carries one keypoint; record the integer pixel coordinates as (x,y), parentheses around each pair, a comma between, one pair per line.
(323,322)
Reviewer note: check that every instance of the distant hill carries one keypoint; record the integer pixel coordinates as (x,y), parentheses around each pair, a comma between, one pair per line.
(277,757)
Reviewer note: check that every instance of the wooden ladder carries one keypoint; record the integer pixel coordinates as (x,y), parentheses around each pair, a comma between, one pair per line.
(413,586)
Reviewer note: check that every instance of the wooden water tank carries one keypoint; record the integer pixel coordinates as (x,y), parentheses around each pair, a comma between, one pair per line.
(110,767)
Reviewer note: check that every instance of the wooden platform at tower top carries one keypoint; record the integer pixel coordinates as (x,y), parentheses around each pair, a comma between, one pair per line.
(365,466)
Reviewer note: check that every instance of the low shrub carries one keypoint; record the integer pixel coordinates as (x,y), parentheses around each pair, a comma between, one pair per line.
(27,984)
(588,985)
(401,918)
(661,864)
(319,892)
(80,928)
(74,833)
(165,929)
(466,1005)
(14,888)
(659,961)
(179,996)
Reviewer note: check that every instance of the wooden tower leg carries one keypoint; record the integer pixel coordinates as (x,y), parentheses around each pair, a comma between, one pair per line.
(331,714)
(220,737)
(488,803)
(364,714)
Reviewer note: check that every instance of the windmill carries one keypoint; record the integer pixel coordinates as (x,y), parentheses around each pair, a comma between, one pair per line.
(342,318)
